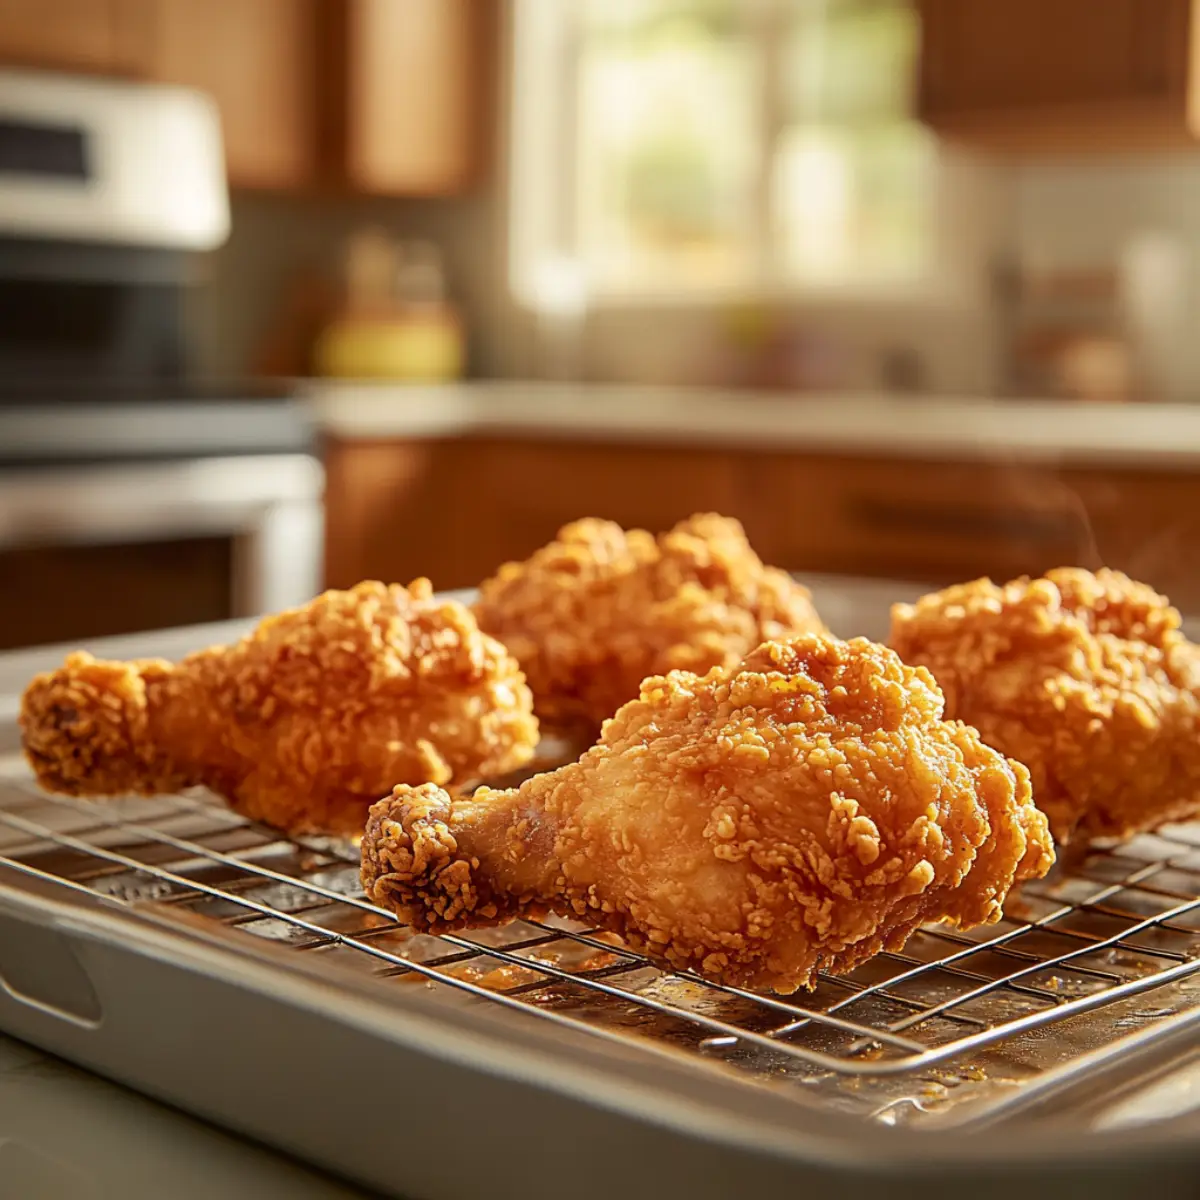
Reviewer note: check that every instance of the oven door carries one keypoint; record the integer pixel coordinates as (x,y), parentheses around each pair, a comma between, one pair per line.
(90,551)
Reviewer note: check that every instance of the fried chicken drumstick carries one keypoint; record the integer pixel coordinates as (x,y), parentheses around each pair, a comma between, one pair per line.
(1086,678)
(799,811)
(303,723)
(599,609)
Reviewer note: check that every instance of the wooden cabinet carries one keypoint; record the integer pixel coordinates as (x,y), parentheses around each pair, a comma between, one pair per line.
(382,519)
(257,60)
(389,97)
(373,96)
(1145,523)
(905,519)
(106,36)
(455,510)
(416,78)
(1059,74)
(942,522)
(528,490)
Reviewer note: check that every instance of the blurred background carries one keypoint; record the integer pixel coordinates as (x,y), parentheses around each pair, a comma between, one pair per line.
(298,292)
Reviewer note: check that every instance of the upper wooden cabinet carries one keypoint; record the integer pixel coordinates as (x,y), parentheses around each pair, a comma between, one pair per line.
(107,36)
(406,94)
(258,60)
(1060,75)
(379,96)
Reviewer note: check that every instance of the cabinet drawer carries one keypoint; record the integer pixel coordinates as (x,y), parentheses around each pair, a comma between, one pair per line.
(918,520)
(1146,524)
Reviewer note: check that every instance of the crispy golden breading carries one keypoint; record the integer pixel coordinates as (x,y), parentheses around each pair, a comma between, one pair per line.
(1085,678)
(600,609)
(800,811)
(303,723)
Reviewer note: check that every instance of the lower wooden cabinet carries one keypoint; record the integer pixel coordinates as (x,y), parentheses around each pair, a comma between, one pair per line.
(455,510)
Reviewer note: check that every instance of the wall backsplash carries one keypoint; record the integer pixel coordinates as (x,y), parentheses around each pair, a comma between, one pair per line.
(274,237)
(1138,217)
(1031,209)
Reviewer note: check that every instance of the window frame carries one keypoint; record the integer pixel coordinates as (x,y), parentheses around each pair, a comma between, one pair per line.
(545,47)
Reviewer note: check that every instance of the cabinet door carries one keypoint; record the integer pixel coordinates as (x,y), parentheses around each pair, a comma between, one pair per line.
(455,510)
(389,512)
(1059,72)
(1147,524)
(256,58)
(525,491)
(107,36)
(416,81)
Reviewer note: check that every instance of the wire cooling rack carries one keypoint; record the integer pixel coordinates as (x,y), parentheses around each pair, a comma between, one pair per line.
(1091,941)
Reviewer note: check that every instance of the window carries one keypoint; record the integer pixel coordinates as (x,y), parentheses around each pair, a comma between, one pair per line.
(683,147)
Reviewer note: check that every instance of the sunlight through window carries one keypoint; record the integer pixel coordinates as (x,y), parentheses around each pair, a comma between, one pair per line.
(691,146)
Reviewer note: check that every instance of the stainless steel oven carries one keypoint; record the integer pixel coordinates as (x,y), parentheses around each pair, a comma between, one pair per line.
(94,549)
(134,491)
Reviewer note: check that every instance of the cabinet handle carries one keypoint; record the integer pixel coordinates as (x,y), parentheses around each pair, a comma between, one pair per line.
(1014,524)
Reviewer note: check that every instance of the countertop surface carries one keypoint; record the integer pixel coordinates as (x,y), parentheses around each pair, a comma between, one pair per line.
(925,427)
(35,434)
(67,1133)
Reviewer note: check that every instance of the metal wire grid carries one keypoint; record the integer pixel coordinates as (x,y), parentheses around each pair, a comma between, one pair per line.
(1123,921)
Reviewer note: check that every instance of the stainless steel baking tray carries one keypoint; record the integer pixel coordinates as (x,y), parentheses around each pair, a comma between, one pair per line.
(177,947)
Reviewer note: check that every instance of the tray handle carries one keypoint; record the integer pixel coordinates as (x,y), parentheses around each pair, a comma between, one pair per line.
(39,968)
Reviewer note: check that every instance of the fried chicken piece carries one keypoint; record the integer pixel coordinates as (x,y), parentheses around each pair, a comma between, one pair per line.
(799,811)
(302,724)
(1086,678)
(600,609)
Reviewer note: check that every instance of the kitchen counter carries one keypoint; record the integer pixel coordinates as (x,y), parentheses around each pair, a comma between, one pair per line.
(62,433)
(65,1132)
(944,428)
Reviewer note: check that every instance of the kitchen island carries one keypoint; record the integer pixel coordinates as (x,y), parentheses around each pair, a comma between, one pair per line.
(451,481)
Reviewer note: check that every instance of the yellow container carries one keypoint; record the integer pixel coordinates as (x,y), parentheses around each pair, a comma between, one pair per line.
(417,347)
